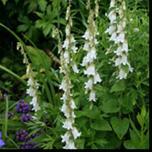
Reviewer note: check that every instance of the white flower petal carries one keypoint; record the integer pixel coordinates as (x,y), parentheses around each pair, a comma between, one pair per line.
(97,78)
(92,96)
(75,133)
(90,70)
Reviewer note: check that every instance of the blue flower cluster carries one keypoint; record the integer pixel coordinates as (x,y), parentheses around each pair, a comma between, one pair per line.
(22,135)
(24,108)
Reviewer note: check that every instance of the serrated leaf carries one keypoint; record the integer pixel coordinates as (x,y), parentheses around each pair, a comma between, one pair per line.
(101,125)
(118,86)
(39,58)
(120,126)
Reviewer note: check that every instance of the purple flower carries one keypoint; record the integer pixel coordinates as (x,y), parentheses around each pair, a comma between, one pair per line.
(26,117)
(22,135)
(22,107)
(28,145)
(2,143)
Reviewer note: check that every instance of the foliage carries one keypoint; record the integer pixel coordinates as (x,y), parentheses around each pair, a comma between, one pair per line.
(119,118)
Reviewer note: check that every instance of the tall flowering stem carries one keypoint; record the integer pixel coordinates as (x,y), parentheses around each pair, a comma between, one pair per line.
(32,84)
(117,33)
(68,106)
(91,55)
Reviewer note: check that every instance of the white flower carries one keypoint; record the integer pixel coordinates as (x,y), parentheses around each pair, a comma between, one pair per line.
(68,124)
(113,37)
(97,78)
(87,35)
(67,13)
(92,96)
(65,110)
(67,29)
(89,84)
(112,3)
(75,133)
(130,68)
(122,74)
(75,68)
(112,16)
(72,39)
(111,29)
(121,37)
(74,49)
(122,48)
(66,56)
(91,55)
(63,85)
(66,43)
(72,104)
(34,102)
(123,5)
(125,46)
(31,92)
(69,145)
(65,137)
(121,60)
(73,115)
(64,97)
(86,46)
(120,28)
(90,70)
(121,13)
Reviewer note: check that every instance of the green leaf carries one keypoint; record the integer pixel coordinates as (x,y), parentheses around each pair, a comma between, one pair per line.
(42,4)
(118,86)
(111,106)
(120,126)
(47,28)
(90,113)
(101,142)
(137,143)
(22,27)
(38,57)
(101,125)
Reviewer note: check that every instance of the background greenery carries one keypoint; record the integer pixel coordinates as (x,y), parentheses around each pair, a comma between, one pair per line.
(119,118)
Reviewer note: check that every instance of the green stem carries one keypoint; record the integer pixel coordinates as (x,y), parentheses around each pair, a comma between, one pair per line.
(48,92)
(13,74)
(12,142)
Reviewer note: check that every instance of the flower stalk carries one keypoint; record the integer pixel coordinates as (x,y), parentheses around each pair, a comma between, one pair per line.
(32,84)
(117,32)
(68,106)
(91,55)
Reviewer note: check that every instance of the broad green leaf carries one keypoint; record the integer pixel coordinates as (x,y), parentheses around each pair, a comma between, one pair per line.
(39,59)
(90,113)
(111,106)
(118,86)
(101,125)
(120,126)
